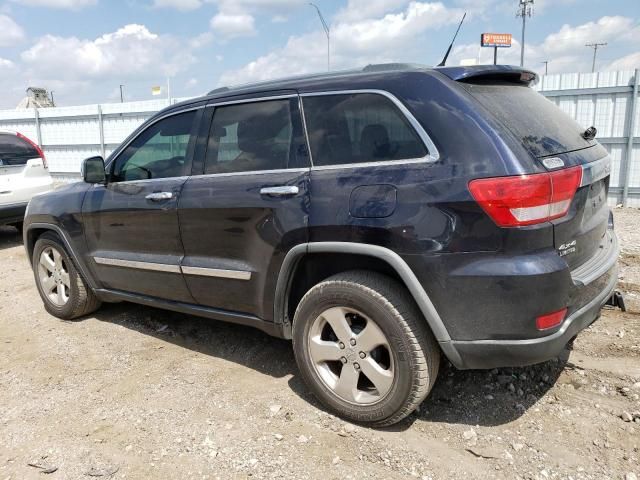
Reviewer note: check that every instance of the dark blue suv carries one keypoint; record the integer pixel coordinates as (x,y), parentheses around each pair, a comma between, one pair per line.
(379,218)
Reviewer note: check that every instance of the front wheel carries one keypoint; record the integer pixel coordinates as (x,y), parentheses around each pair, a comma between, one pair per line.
(63,291)
(364,348)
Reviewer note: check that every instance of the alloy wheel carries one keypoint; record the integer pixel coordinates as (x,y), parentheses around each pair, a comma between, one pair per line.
(351,355)
(53,274)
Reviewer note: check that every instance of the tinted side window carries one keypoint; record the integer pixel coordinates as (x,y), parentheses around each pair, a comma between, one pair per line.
(15,151)
(361,127)
(158,152)
(256,136)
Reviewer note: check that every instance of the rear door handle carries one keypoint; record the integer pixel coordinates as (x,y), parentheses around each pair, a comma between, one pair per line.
(159,196)
(283,191)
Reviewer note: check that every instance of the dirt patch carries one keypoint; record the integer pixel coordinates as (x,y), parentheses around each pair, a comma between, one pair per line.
(138,393)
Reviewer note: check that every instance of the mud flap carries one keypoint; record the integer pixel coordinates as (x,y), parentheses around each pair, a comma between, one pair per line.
(616,300)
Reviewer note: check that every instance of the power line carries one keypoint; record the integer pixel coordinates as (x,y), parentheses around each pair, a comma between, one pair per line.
(525,9)
(595,47)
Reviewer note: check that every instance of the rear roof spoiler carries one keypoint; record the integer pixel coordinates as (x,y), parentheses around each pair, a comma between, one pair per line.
(480,73)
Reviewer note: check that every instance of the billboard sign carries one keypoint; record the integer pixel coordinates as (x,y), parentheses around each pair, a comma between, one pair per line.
(496,40)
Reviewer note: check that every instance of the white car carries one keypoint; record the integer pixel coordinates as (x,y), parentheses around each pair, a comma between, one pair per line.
(23,174)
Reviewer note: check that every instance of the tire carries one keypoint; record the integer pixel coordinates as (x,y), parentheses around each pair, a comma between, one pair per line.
(402,371)
(57,274)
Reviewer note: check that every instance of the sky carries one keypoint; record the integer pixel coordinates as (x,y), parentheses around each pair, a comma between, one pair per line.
(83,50)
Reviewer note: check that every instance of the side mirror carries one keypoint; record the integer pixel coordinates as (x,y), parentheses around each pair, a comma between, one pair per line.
(93,170)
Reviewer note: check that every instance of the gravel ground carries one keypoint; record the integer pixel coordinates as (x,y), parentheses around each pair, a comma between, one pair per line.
(138,393)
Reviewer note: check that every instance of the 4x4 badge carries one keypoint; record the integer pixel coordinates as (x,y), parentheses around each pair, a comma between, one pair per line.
(567,248)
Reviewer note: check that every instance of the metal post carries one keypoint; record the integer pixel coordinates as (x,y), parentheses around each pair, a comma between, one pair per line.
(632,128)
(524,10)
(524,23)
(495,55)
(121,94)
(38,129)
(595,47)
(101,130)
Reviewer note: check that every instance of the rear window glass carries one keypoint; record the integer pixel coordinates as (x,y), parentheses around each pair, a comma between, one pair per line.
(358,128)
(15,151)
(537,122)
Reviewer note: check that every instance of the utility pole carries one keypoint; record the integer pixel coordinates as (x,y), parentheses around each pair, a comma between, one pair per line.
(53,102)
(327,33)
(595,47)
(525,9)
(546,67)
(121,94)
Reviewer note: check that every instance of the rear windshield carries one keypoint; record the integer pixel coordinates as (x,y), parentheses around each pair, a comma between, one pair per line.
(537,122)
(15,151)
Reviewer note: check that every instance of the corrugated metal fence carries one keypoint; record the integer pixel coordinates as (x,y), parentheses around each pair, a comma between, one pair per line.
(603,99)
(70,134)
(608,101)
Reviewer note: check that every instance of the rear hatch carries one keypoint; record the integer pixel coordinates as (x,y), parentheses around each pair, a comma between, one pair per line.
(556,141)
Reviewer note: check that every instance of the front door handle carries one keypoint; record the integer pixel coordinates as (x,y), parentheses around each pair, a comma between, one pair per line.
(283,191)
(159,196)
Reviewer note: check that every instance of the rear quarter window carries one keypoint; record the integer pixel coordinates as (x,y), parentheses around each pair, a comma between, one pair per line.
(15,151)
(359,128)
(537,122)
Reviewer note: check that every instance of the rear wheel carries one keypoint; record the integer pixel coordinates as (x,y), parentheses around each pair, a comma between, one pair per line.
(364,349)
(63,291)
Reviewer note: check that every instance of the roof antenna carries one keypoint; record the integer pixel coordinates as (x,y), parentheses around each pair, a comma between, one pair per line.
(446,55)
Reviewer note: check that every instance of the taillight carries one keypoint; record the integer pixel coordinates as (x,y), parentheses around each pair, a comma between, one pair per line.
(36,146)
(527,199)
(550,320)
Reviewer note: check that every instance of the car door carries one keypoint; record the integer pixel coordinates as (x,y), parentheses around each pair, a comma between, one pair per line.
(248,206)
(131,223)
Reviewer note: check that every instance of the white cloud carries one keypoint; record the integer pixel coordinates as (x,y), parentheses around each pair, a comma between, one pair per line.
(6,64)
(279,19)
(10,31)
(233,25)
(67,4)
(184,5)
(130,52)
(361,9)
(606,28)
(628,62)
(354,43)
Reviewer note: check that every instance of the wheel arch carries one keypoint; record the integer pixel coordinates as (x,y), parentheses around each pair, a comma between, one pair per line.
(381,256)
(34,231)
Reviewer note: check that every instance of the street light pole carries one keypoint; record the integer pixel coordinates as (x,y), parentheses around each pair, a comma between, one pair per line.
(595,47)
(327,32)
(525,10)
(121,94)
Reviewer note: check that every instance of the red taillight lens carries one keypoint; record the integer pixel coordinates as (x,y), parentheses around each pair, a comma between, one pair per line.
(36,146)
(527,199)
(550,320)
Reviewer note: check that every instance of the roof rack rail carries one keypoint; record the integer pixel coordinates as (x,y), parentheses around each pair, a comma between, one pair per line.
(385,67)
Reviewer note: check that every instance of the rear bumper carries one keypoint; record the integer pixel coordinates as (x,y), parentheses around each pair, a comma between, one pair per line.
(514,353)
(13,213)
(591,286)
